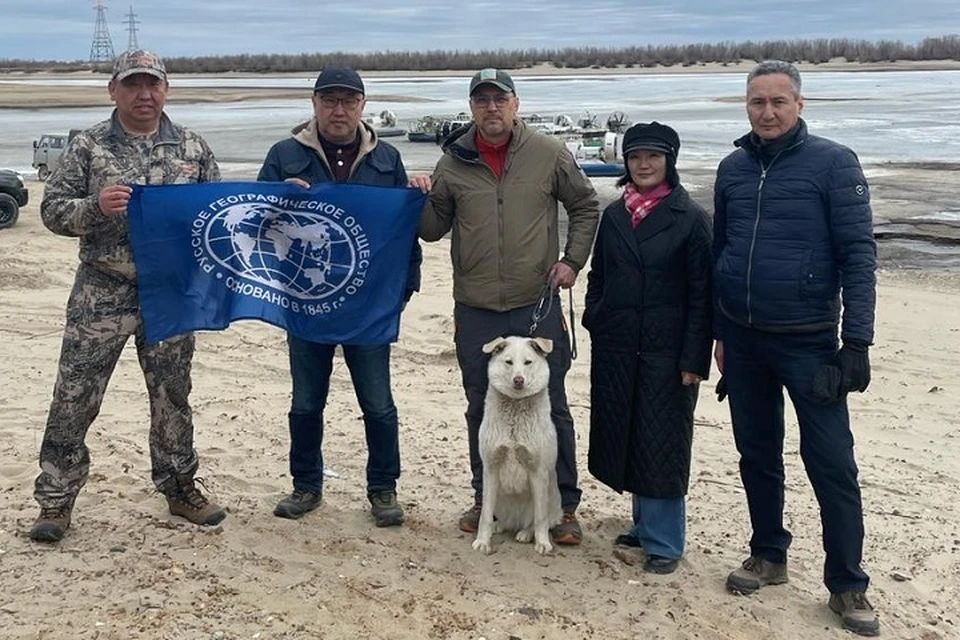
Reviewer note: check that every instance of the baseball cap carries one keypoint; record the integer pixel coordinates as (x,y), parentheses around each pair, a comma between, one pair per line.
(136,61)
(497,77)
(653,136)
(338,76)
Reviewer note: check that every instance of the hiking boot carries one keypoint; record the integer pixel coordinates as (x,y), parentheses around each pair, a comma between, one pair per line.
(856,613)
(470,520)
(52,523)
(755,573)
(298,503)
(186,501)
(386,511)
(568,532)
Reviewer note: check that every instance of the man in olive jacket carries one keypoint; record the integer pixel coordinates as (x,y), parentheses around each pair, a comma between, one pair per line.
(497,189)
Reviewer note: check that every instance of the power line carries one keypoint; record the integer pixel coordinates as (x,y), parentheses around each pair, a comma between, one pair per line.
(101,49)
(132,23)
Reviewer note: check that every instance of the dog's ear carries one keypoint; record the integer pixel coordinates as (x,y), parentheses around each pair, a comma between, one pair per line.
(543,345)
(495,346)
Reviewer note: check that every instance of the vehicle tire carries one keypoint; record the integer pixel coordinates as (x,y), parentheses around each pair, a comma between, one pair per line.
(9,211)
(43,172)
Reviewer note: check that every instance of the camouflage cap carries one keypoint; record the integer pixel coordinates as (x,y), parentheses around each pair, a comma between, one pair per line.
(136,61)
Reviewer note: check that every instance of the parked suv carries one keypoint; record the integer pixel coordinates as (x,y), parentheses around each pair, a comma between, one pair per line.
(13,195)
(47,151)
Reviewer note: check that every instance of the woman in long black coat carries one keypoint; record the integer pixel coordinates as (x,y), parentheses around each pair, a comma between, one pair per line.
(648,310)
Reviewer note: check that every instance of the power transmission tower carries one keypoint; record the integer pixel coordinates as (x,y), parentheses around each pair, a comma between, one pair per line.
(132,23)
(101,49)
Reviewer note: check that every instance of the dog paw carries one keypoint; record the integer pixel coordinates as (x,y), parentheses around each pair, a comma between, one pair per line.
(543,548)
(524,535)
(482,546)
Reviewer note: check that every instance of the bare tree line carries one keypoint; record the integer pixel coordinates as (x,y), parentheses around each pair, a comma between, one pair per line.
(814,51)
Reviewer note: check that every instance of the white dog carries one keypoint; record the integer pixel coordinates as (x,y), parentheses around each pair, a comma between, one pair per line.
(518,445)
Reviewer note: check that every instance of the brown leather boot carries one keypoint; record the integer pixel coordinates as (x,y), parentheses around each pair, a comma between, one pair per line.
(52,523)
(186,501)
(470,519)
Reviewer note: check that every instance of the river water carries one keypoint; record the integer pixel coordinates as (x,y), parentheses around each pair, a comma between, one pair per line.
(909,116)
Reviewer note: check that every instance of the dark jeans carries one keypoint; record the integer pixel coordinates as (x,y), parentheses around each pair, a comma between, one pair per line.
(757,367)
(310,366)
(476,327)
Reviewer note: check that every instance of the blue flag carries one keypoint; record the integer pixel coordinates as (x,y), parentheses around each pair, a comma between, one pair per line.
(328,264)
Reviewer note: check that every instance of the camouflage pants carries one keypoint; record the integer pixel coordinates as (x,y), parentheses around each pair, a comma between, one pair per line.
(102,313)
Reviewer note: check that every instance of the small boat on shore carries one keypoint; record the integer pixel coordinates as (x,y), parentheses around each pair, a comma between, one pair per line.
(437,128)
(450,125)
(386,125)
(600,169)
(424,130)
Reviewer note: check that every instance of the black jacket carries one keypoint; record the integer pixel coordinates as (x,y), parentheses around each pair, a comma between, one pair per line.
(794,234)
(649,313)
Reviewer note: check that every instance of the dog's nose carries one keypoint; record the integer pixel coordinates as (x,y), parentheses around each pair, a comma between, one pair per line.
(518,382)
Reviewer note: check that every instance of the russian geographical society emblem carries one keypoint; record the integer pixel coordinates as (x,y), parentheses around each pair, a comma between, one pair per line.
(300,254)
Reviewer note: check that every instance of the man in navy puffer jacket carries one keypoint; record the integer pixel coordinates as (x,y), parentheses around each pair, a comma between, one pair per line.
(336,145)
(795,263)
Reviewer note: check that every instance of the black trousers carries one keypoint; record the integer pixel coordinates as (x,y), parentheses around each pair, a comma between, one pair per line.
(476,327)
(758,365)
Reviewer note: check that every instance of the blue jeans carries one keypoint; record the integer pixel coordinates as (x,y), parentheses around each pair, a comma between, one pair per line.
(311,364)
(660,525)
(758,365)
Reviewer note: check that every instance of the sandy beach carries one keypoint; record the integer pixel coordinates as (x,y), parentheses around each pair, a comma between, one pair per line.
(127,569)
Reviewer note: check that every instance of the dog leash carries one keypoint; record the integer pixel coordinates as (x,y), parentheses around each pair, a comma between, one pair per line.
(542,310)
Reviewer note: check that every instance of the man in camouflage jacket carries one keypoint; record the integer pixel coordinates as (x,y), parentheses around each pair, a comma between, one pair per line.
(86,197)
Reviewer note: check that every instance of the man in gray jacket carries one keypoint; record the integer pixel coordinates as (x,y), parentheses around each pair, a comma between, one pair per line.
(497,189)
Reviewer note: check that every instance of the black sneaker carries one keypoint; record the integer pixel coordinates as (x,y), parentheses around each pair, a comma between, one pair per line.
(660,565)
(51,524)
(628,540)
(386,511)
(298,503)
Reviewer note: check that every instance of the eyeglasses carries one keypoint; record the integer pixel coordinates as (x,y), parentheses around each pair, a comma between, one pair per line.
(483,100)
(331,102)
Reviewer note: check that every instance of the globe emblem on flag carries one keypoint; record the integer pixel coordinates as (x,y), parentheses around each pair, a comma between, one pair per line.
(303,254)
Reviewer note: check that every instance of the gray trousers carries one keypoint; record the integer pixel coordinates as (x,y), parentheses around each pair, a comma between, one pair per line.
(474,328)
(102,313)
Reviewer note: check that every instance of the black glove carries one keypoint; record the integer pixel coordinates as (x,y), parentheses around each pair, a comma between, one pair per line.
(854,361)
(721,389)
(826,384)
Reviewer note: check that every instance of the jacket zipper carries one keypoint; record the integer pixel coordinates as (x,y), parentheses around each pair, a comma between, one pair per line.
(756,225)
(499,179)
(499,182)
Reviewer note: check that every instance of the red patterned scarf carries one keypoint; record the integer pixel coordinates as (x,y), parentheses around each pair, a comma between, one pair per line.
(640,204)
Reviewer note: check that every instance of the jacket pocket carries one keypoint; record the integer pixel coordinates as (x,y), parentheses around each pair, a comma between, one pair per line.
(818,279)
(295,168)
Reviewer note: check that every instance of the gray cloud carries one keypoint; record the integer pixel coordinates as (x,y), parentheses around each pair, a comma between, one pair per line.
(54,29)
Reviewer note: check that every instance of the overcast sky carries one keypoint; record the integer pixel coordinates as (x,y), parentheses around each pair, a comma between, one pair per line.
(63,29)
